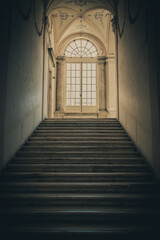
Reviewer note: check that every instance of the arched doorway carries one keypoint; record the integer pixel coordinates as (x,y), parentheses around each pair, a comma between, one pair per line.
(81,76)
(85,81)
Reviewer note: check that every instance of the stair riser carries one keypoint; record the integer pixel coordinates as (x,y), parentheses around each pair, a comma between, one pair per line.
(84,135)
(80,128)
(100,169)
(81,132)
(79,234)
(80,218)
(60,123)
(77,161)
(77,189)
(72,144)
(74,202)
(45,178)
(78,123)
(82,139)
(80,154)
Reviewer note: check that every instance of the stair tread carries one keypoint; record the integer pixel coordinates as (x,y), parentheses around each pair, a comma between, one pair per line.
(79,195)
(129,184)
(49,228)
(80,210)
(82,170)
(78,164)
(81,173)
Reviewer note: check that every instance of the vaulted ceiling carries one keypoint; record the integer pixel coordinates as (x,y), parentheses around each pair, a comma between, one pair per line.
(81,17)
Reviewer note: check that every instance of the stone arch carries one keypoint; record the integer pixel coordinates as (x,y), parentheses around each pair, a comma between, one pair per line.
(96,41)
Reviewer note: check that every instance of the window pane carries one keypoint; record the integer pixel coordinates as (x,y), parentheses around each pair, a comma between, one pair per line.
(77,80)
(77,94)
(73,102)
(84,95)
(89,102)
(84,74)
(93,102)
(73,85)
(68,95)
(93,88)
(81,48)
(78,67)
(94,95)
(89,84)
(84,81)
(73,81)
(77,74)
(88,67)
(84,102)
(89,74)
(94,81)
(74,88)
(77,88)
(73,66)
(84,88)
(89,88)
(93,73)
(73,95)
(77,102)
(88,95)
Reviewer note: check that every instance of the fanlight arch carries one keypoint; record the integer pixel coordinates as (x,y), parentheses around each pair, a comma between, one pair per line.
(81,48)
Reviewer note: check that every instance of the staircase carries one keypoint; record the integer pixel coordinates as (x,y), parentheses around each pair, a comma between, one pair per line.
(79,179)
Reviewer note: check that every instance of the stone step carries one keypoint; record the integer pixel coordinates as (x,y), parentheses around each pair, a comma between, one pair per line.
(77,168)
(81,128)
(80,131)
(78,177)
(72,187)
(79,232)
(82,147)
(89,120)
(83,216)
(79,153)
(80,139)
(72,199)
(77,160)
(79,143)
(80,125)
(82,134)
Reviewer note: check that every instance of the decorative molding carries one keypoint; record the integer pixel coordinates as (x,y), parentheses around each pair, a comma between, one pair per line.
(101,48)
(81,3)
(60,59)
(101,59)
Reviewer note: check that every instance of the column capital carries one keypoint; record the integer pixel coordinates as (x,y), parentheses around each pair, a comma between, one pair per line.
(101,60)
(60,59)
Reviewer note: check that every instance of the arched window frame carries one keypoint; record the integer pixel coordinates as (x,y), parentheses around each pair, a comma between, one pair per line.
(81,48)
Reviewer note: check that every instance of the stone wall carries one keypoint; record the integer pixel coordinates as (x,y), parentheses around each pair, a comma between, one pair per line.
(21,61)
(138,98)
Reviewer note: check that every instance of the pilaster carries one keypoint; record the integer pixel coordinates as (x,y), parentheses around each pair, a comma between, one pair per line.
(60,85)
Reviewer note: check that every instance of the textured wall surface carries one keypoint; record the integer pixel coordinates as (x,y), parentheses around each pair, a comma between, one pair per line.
(21,80)
(135,80)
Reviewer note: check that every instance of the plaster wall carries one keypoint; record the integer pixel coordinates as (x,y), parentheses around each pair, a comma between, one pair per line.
(136,103)
(21,79)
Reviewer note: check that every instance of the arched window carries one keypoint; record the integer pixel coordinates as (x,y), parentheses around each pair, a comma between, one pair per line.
(81,48)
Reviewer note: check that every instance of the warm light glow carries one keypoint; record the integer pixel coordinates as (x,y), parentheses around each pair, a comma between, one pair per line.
(81,48)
